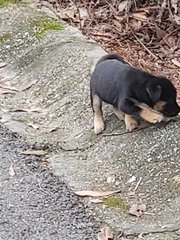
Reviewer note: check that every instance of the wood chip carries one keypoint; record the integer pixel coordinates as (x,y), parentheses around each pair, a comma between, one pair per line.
(95,193)
(8,87)
(34,152)
(11,171)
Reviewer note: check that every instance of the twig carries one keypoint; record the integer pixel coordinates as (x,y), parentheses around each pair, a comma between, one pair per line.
(137,185)
(141,128)
(154,56)
(123,133)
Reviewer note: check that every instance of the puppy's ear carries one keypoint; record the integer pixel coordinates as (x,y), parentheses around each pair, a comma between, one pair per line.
(154,92)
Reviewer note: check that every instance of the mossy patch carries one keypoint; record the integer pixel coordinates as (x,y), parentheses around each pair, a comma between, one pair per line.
(116,202)
(42,25)
(4,37)
(4,2)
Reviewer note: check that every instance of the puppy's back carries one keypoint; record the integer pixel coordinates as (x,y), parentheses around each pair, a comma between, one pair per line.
(111,57)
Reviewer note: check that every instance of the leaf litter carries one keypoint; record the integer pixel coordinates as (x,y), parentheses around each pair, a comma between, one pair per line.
(91,193)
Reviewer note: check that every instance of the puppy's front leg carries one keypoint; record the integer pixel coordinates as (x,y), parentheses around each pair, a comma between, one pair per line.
(132,107)
(130,122)
(98,114)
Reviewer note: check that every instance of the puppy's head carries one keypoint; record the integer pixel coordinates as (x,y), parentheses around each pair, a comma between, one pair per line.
(163,96)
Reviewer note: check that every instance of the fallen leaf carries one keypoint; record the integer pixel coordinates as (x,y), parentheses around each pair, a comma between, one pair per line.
(83,13)
(105,234)
(140,16)
(8,87)
(123,5)
(51,129)
(137,209)
(160,33)
(33,125)
(67,13)
(2,64)
(94,193)
(176,179)
(11,171)
(29,85)
(34,152)
(177,63)
(38,110)
(3,91)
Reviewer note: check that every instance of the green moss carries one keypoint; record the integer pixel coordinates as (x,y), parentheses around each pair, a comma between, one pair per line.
(42,25)
(5,37)
(3,2)
(116,202)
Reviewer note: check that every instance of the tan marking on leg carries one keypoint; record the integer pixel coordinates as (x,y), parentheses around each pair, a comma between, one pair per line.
(159,106)
(130,122)
(98,124)
(98,115)
(119,114)
(149,114)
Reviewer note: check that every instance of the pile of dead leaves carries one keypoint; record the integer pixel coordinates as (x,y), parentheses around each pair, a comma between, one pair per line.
(145,33)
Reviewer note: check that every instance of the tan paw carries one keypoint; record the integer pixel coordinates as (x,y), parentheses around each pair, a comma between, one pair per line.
(151,116)
(98,125)
(130,122)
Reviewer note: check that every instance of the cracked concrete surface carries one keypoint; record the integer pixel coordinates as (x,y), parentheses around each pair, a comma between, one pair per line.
(61,63)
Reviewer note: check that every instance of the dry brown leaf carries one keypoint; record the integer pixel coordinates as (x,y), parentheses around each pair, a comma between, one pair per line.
(137,209)
(67,13)
(33,125)
(34,152)
(29,85)
(160,33)
(122,6)
(105,234)
(140,16)
(177,63)
(83,13)
(176,179)
(51,129)
(2,64)
(11,171)
(8,87)
(38,110)
(6,91)
(94,193)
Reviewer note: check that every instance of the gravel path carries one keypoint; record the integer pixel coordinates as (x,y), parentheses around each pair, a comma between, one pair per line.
(33,203)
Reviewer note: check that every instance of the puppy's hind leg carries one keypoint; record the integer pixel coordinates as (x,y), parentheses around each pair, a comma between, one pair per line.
(99,125)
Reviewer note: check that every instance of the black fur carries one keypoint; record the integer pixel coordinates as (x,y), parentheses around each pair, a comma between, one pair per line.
(121,85)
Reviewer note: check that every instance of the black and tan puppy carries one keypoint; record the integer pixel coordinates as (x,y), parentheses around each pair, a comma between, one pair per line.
(133,93)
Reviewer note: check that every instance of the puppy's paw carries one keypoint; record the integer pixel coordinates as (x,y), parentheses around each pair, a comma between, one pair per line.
(151,116)
(99,125)
(131,123)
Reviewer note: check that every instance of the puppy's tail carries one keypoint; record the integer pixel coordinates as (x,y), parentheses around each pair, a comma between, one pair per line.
(111,57)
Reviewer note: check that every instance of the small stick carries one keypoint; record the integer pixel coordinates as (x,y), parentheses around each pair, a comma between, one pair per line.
(137,185)
(145,47)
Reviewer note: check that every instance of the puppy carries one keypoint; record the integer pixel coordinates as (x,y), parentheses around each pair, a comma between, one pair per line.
(133,93)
